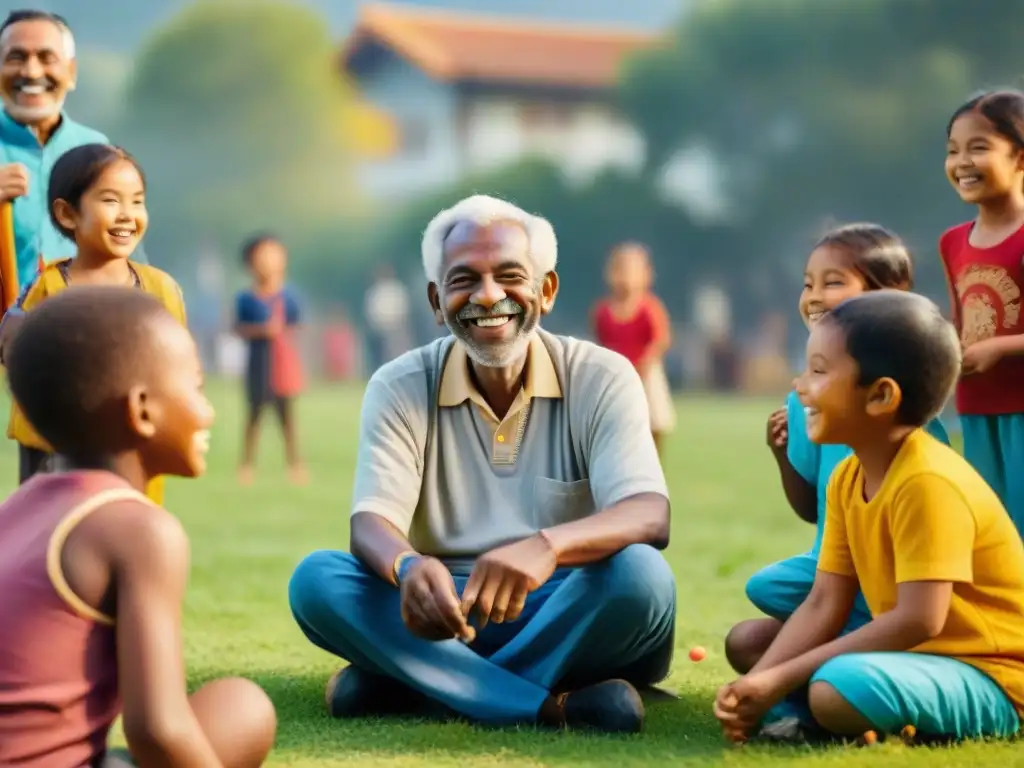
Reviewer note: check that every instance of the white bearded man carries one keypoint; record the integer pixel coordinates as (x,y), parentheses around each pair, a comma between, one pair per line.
(508,509)
(38,69)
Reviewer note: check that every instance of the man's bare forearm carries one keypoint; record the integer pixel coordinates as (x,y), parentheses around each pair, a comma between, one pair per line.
(640,519)
(377,543)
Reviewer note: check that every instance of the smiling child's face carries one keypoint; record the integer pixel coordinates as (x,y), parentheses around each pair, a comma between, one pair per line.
(834,402)
(828,282)
(111,217)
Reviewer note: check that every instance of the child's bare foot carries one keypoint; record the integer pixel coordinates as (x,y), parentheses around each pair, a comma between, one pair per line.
(245,475)
(298,475)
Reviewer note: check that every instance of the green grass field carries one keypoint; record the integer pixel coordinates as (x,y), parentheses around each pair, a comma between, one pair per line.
(729,519)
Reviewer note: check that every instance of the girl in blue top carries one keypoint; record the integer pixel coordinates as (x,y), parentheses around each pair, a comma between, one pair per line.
(846,262)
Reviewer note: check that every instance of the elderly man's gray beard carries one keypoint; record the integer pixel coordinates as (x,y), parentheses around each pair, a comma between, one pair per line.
(496,355)
(30,115)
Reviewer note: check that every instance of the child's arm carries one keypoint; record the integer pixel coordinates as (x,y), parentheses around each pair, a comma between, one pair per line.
(798,651)
(150,563)
(246,325)
(292,310)
(661,341)
(797,458)
(13,317)
(933,533)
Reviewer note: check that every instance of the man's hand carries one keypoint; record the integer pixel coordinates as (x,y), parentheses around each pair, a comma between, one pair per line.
(13,181)
(778,430)
(430,604)
(502,579)
(982,356)
(742,704)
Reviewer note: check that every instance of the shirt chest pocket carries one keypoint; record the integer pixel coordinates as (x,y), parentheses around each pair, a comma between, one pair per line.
(556,502)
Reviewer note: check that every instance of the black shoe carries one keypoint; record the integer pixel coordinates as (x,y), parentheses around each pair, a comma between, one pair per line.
(353,692)
(613,706)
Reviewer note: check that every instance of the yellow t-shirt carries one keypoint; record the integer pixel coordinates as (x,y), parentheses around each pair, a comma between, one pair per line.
(52,281)
(935,519)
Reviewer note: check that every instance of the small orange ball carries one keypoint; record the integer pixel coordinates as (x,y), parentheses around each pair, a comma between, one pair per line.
(697,653)
(908,732)
(870,737)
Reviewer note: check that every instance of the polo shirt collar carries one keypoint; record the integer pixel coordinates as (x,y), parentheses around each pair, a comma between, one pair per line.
(457,385)
(22,134)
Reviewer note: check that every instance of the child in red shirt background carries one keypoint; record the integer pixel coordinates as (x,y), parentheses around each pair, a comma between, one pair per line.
(983,265)
(632,321)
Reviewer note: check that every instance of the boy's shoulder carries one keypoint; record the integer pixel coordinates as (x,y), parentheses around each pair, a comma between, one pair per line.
(926,462)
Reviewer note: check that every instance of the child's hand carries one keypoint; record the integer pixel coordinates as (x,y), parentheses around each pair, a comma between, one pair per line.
(778,430)
(741,705)
(274,327)
(982,356)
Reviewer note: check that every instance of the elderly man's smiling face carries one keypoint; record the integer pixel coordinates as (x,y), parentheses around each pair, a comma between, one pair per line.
(35,71)
(489,296)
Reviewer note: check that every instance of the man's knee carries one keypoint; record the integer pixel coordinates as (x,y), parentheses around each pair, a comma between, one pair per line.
(747,642)
(638,576)
(312,581)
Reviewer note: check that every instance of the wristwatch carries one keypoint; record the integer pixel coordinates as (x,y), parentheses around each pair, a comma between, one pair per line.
(402,564)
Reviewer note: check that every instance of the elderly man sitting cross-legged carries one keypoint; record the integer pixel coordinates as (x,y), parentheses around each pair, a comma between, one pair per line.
(508,509)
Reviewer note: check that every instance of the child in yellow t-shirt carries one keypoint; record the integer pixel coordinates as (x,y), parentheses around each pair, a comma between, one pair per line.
(911,523)
(96,198)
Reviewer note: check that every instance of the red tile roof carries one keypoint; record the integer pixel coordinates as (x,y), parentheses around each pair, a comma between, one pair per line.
(453,46)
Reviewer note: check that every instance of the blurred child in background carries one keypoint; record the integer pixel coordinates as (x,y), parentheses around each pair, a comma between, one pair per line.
(632,321)
(267,315)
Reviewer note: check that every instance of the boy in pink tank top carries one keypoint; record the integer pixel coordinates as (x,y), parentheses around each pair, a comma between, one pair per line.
(93,573)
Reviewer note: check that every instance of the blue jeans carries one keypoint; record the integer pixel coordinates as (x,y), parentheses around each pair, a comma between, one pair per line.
(613,618)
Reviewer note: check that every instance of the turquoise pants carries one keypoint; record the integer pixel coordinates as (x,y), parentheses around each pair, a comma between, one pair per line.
(994,445)
(614,618)
(777,590)
(938,695)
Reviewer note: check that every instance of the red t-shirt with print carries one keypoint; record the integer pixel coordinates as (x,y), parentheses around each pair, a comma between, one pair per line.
(985,290)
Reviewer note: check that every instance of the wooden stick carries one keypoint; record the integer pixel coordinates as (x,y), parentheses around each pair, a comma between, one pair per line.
(8,258)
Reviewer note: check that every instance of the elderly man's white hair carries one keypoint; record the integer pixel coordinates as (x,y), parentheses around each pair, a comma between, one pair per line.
(483,209)
(69,40)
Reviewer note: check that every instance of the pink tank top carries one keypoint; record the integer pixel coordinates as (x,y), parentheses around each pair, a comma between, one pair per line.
(58,656)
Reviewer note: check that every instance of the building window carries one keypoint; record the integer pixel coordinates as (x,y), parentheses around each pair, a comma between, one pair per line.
(545,116)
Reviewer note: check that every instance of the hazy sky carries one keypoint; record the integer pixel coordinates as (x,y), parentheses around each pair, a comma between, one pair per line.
(121,25)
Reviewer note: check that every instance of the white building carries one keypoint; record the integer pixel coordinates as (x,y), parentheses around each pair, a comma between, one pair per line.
(465,94)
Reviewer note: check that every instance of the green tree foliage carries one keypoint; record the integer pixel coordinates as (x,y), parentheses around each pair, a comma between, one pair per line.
(242,122)
(589,221)
(822,110)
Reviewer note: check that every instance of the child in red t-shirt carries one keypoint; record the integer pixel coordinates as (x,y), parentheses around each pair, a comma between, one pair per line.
(983,263)
(633,322)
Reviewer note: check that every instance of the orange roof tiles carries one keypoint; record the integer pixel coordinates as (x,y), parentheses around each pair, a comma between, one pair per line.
(452,46)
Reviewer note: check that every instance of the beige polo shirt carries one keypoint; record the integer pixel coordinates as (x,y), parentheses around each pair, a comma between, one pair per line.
(436,462)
